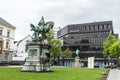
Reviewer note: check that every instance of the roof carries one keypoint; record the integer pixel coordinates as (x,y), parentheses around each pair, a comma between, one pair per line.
(23,39)
(92,23)
(2,21)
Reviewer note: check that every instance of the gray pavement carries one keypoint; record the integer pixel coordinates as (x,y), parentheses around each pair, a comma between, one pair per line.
(10,66)
(114,74)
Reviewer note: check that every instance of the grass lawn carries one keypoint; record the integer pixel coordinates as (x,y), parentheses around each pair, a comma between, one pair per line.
(58,74)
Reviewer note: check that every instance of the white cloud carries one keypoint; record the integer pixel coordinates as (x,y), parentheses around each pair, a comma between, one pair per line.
(21,13)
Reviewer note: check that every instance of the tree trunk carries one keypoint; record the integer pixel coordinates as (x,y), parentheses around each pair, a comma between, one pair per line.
(58,61)
(63,61)
(118,62)
(66,62)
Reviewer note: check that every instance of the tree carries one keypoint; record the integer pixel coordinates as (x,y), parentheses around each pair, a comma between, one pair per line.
(55,49)
(55,44)
(66,54)
(111,47)
(107,44)
(115,49)
(50,35)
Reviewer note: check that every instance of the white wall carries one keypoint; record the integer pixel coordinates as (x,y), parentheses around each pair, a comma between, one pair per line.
(21,46)
(19,56)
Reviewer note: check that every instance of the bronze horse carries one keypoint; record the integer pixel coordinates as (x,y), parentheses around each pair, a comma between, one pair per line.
(41,30)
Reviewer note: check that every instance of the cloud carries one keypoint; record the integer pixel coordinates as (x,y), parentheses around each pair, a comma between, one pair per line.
(63,12)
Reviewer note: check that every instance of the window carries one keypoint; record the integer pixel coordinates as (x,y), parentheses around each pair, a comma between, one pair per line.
(76,42)
(0,43)
(8,33)
(89,28)
(98,27)
(84,28)
(7,44)
(6,55)
(0,47)
(1,30)
(108,26)
(102,27)
(72,37)
(93,27)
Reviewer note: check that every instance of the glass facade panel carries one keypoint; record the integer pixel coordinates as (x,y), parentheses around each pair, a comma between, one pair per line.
(88,38)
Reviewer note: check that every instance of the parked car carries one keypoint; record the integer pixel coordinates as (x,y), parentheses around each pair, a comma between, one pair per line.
(111,66)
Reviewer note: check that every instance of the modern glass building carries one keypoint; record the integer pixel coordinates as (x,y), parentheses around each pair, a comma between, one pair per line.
(87,37)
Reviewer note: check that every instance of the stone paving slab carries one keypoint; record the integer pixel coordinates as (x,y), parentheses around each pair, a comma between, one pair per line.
(114,74)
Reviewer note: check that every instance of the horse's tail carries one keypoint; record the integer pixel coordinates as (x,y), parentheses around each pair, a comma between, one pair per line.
(32,27)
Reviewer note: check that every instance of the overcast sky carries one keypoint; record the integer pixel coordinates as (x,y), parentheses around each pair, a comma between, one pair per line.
(21,13)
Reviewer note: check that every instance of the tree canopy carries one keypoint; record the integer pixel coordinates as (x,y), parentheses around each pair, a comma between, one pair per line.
(115,49)
(50,35)
(111,39)
(67,53)
(55,49)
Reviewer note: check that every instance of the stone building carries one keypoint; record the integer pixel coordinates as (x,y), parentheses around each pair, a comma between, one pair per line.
(6,41)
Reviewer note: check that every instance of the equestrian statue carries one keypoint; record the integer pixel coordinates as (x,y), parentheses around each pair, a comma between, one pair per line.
(41,29)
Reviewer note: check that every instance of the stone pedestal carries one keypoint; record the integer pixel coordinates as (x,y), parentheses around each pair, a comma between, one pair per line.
(37,60)
(32,64)
(77,62)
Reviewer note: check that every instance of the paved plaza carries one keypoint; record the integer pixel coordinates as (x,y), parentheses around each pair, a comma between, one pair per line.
(114,74)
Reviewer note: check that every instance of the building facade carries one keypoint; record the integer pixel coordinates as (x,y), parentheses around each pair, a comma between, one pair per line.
(20,54)
(19,46)
(6,41)
(87,37)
